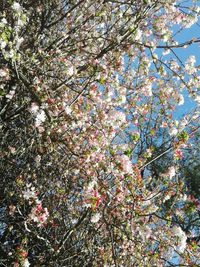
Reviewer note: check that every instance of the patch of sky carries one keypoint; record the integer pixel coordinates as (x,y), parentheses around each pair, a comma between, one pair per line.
(182,54)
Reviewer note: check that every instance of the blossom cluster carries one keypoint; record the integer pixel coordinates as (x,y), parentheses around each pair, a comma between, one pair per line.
(38,214)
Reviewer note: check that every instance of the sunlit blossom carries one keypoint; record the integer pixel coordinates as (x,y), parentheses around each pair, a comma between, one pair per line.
(181,100)
(171,172)
(26,263)
(40,118)
(182,243)
(173,131)
(95,218)
(16,6)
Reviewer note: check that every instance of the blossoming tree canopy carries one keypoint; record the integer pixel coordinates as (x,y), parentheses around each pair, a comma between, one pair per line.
(90,141)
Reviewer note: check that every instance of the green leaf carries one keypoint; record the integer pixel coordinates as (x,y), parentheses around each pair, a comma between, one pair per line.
(128,152)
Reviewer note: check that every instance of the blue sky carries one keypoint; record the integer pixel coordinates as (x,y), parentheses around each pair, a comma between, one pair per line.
(183,54)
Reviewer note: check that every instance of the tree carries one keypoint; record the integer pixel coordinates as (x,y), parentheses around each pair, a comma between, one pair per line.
(88,94)
(190,165)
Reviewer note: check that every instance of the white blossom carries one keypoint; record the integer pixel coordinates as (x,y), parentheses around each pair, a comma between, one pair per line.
(68,110)
(40,118)
(26,263)
(145,232)
(152,208)
(181,100)
(10,94)
(3,44)
(34,108)
(138,35)
(122,99)
(19,23)
(171,172)
(166,52)
(116,118)
(70,71)
(95,218)
(173,131)
(125,163)
(182,238)
(30,193)
(91,185)
(197,99)
(191,60)
(16,6)
(167,197)
(3,72)
(4,21)
(19,42)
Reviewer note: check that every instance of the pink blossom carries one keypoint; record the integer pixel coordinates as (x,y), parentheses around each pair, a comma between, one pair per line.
(178,154)
(34,108)
(125,163)
(39,214)
(92,197)
(4,73)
